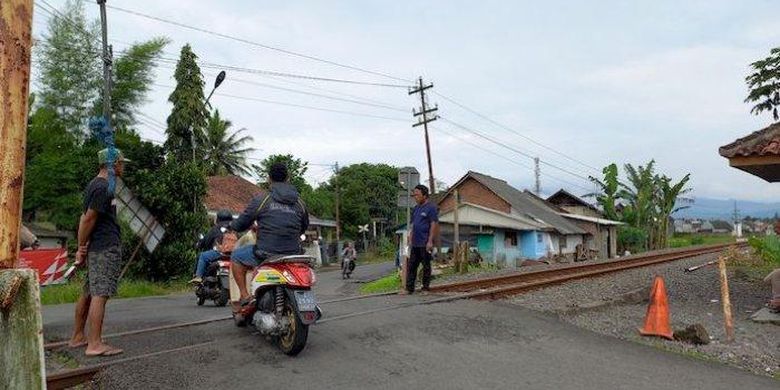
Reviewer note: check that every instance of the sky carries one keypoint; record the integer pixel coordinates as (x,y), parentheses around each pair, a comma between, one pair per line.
(579,84)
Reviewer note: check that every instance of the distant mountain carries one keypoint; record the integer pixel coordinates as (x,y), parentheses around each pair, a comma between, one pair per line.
(708,208)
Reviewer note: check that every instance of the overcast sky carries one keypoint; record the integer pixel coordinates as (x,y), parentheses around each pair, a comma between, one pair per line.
(594,81)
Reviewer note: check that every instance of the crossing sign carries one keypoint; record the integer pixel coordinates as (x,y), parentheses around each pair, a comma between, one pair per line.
(363,228)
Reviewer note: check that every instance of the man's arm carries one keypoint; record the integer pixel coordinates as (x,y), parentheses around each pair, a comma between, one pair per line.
(245,220)
(86,225)
(433,234)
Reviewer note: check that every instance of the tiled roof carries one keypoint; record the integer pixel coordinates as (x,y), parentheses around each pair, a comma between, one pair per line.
(229,192)
(761,143)
(526,204)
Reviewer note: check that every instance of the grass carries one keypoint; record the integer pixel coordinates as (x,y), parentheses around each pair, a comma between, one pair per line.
(70,292)
(65,359)
(388,283)
(684,240)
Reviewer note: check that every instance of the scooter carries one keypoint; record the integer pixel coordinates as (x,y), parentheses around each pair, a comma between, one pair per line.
(347,267)
(216,283)
(284,304)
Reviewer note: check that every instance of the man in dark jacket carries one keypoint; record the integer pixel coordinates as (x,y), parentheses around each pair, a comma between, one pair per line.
(281,220)
(207,244)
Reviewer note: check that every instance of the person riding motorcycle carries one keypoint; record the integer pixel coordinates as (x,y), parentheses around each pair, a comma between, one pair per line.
(207,244)
(281,219)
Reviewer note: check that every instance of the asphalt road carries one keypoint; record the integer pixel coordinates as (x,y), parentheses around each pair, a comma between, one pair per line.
(457,345)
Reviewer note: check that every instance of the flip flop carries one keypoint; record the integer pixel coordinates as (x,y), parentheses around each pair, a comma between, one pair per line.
(79,345)
(111,351)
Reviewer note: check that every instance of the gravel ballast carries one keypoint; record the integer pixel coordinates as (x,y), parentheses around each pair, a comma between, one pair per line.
(616,304)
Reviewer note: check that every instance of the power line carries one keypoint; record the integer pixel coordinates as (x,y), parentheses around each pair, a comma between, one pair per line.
(299,105)
(503,145)
(239,68)
(253,43)
(511,130)
(513,161)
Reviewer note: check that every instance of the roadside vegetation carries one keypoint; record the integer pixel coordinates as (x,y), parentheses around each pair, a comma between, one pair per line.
(683,240)
(69,292)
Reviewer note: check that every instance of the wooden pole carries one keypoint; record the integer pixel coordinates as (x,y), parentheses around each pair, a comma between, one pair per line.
(728,321)
(15,45)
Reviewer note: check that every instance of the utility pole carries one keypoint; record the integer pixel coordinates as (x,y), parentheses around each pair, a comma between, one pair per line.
(107,62)
(537,175)
(338,208)
(424,113)
(21,342)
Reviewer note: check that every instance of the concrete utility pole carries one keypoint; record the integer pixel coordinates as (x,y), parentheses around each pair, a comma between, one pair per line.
(424,113)
(338,204)
(21,329)
(537,175)
(107,63)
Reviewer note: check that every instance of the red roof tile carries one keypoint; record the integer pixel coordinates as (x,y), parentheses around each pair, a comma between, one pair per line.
(229,192)
(761,143)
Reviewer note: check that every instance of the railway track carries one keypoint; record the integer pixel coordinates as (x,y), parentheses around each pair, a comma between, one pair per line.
(502,286)
(484,288)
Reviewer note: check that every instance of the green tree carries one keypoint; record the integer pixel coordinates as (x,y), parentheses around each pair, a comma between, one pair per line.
(70,67)
(189,115)
(296,169)
(367,191)
(668,197)
(225,153)
(764,85)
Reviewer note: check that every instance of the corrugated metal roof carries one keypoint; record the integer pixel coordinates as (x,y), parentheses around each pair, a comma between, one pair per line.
(528,205)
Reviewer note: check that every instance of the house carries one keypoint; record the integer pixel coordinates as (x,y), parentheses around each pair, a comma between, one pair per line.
(720,226)
(574,204)
(602,238)
(505,224)
(233,193)
(48,235)
(706,227)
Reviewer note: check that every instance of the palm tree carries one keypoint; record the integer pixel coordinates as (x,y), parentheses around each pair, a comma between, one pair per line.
(608,191)
(640,192)
(224,153)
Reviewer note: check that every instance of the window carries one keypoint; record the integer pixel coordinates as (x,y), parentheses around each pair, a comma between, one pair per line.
(510,239)
(539,238)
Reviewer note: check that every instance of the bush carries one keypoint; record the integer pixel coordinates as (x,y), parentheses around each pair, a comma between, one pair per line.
(697,240)
(767,248)
(632,239)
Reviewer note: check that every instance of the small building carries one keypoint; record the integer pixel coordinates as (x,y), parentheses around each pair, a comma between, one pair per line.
(48,235)
(721,227)
(507,225)
(706,227)
(602,238)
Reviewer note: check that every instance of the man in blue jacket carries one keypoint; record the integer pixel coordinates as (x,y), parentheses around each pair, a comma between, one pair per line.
(281,220)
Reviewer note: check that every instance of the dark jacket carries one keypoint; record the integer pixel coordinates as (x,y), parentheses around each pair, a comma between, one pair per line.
(280,221)
(213,237)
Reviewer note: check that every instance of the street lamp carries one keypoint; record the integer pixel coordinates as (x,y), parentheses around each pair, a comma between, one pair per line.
(217,82)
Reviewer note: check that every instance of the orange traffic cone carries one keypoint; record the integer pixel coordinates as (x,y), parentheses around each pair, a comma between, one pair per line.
(657,318)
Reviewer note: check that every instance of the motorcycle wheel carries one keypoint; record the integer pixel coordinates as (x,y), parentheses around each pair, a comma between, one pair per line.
(201,301)
(223,299)
(294,341)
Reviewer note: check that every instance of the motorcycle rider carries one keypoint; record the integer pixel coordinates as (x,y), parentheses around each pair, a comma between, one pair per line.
(349,255)
(281,219)
(206,245)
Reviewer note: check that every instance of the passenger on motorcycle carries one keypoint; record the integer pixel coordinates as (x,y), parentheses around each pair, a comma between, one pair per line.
(208,244)
(281,219)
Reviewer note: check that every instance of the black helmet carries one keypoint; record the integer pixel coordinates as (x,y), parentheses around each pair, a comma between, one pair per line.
(224,216)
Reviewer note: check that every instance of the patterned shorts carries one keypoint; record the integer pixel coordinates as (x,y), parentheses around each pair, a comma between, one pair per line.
(103,269)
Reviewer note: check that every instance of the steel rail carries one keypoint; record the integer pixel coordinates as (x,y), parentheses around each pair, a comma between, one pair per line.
(495,287)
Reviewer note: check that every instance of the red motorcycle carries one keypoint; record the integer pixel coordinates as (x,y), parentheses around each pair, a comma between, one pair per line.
(284,304)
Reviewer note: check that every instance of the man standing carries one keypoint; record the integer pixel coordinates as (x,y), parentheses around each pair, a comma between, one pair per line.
(425,228)
(100,248)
